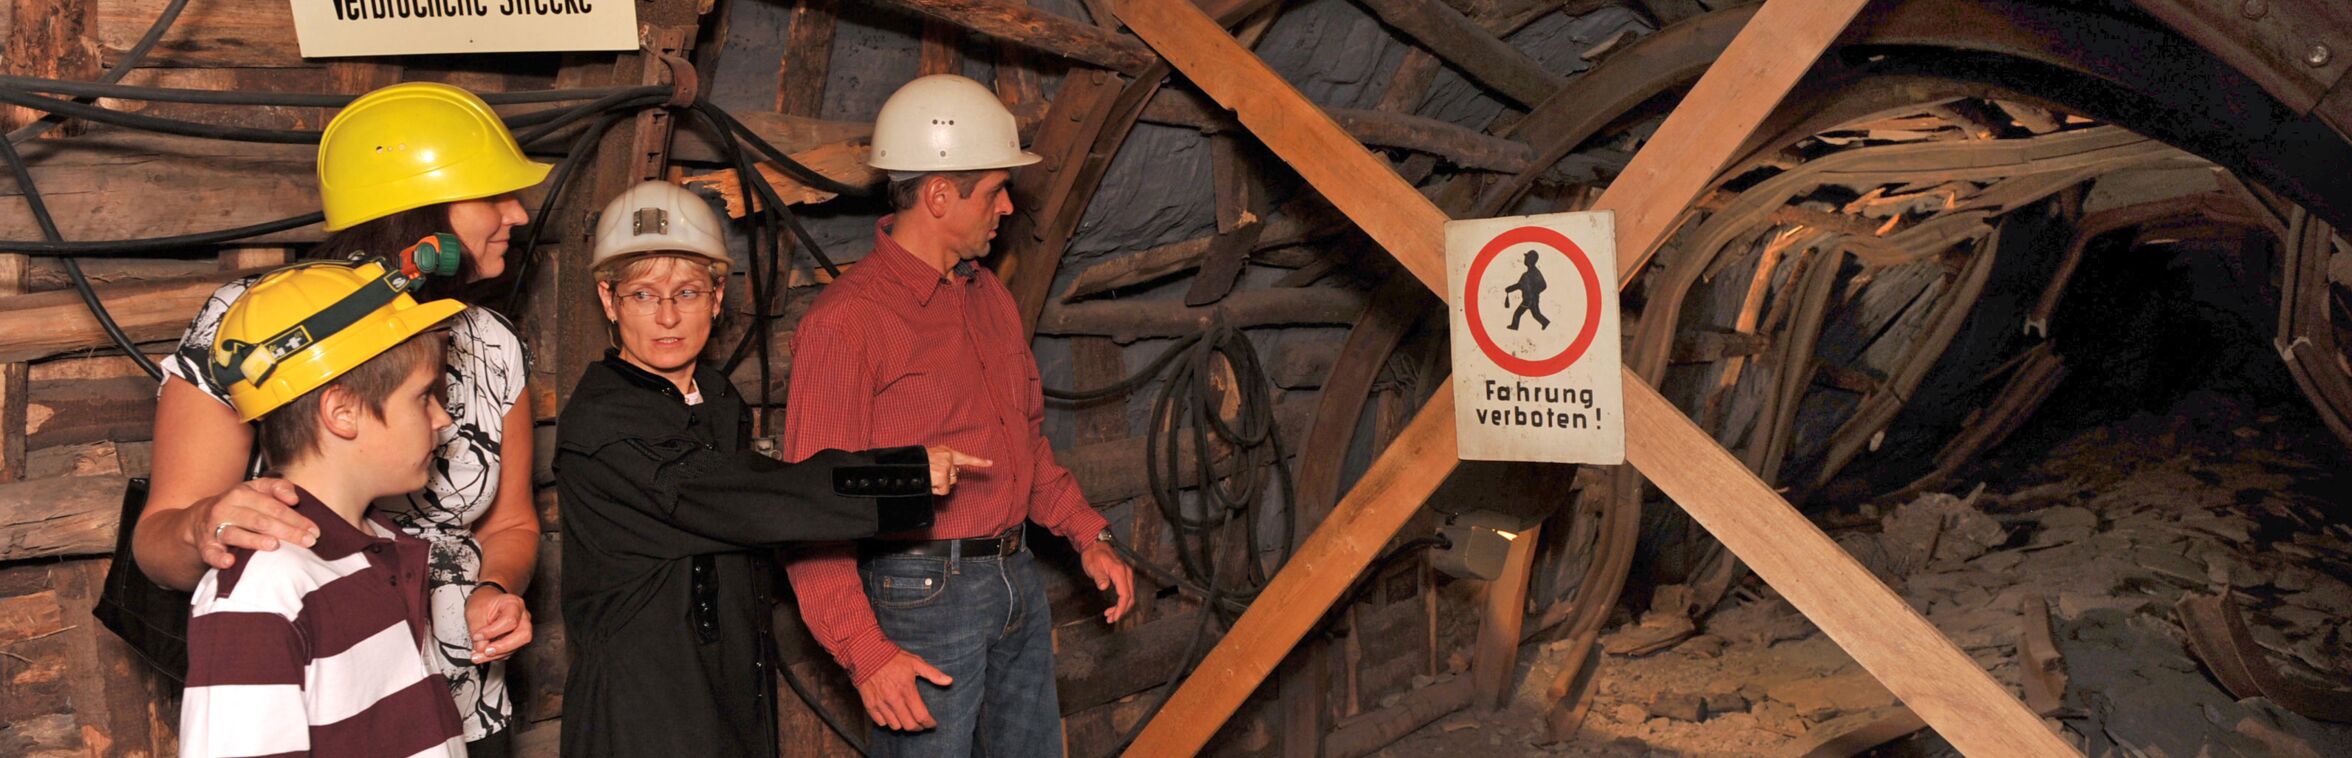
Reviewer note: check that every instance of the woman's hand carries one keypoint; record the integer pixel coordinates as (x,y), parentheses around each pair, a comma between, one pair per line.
(946,463)
(256,514)
(498,623)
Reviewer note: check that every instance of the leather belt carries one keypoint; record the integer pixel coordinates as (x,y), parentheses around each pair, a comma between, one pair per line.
(976,547)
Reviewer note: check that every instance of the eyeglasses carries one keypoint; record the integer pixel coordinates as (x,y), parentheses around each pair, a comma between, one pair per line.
(643,302)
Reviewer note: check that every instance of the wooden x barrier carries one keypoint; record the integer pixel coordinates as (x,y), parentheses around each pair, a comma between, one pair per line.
(1890,639)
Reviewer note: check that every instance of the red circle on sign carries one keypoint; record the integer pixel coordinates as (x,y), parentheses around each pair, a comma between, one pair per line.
(1534,235)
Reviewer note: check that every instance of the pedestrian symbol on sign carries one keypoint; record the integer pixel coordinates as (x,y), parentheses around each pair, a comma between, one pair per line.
(1530,289)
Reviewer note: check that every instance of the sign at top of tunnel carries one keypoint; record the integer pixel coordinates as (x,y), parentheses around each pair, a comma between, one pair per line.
(339,28)
(1533,301)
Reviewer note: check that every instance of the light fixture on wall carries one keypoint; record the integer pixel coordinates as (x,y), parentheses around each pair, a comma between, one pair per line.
(1474,546)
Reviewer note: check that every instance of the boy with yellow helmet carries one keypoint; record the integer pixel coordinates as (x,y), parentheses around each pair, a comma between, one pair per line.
(323,648)
(403,163)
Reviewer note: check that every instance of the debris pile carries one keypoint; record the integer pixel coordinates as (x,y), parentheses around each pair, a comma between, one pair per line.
(2160,593)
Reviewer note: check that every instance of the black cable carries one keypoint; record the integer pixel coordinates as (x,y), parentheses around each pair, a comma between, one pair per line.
(1188,408)
(49,231)
(93,113)
(555,120)
(800,172)
(158,244)
(286,99)
(541,123)
(528,253)
(130,60)
(40,208)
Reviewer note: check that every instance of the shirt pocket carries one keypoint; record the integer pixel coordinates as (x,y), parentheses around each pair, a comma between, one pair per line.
(901,583)
(1022,385)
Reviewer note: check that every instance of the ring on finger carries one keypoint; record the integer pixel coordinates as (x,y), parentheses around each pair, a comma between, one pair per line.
(216,531)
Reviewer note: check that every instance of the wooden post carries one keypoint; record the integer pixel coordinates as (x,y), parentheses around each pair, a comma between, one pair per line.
(632,152)
(1890,639)
(1498,633)
(808,59)
(12,381)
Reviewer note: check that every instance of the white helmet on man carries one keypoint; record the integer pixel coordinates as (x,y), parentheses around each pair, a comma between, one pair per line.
(658,217)
(945,122)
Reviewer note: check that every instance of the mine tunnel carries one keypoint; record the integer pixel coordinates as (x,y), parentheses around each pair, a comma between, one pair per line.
(2003,339)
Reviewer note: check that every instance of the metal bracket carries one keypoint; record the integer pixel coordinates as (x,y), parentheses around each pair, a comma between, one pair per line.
(663,55)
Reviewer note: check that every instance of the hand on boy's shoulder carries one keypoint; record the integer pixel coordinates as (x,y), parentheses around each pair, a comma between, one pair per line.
(267,578)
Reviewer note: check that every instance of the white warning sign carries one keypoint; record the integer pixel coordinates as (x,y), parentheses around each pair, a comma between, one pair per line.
(1535,328)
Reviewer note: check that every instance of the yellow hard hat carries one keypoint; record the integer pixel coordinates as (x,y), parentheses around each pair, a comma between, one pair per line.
(412,145)
(301,326)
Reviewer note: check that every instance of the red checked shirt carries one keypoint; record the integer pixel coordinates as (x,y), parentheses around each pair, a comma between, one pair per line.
(896,353)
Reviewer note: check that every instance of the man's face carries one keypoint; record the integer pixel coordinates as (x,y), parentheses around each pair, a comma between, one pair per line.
(970,221)
(409,431)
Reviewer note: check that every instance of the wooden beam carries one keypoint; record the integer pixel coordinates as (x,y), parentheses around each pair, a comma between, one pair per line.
(1774,49)
(1888,637)
(13,386)
(942,51)
(1461,146)
(1388,208)
(106,184)
(1834,591)
(1460,41)
(1498,631)
(213,33)
(64,516)
(44,324)
(632,152)
(1131,320)
(1018,24)
(788,132)
(1388,495)
(808,59)
(48,39)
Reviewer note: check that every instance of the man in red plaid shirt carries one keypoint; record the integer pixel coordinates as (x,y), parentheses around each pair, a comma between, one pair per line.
(917,345)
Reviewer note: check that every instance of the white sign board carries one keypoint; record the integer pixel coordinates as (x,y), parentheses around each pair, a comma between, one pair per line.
(337,28)
(1536,352)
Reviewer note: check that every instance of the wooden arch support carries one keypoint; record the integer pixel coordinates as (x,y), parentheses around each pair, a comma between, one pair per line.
(1890,639)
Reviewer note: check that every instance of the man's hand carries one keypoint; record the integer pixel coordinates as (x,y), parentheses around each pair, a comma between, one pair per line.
(498,622)
(1110,573)
(256,514)
(946,463)
(891,697)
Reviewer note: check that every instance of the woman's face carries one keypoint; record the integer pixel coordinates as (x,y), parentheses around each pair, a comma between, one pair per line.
(484,225)
(663,315)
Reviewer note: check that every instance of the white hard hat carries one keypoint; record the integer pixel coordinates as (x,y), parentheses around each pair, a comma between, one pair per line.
(945,122)
(659,217)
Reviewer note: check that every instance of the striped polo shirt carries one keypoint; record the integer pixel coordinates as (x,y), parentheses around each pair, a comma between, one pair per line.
(319,651)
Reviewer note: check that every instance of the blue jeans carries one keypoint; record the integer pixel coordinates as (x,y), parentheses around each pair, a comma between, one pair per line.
(984,622)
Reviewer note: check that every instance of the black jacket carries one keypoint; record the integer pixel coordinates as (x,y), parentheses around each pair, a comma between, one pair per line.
(668,518)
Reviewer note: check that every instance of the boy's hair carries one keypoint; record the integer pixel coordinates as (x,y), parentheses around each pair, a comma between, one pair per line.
(905,192)
(292,430)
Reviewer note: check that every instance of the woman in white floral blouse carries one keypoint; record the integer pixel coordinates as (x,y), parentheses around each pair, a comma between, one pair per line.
(397,165)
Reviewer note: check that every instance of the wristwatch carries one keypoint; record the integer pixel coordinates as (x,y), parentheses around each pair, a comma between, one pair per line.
(1103,536)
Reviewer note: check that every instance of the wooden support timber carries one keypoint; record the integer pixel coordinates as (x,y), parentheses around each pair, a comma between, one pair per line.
(1887,636)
